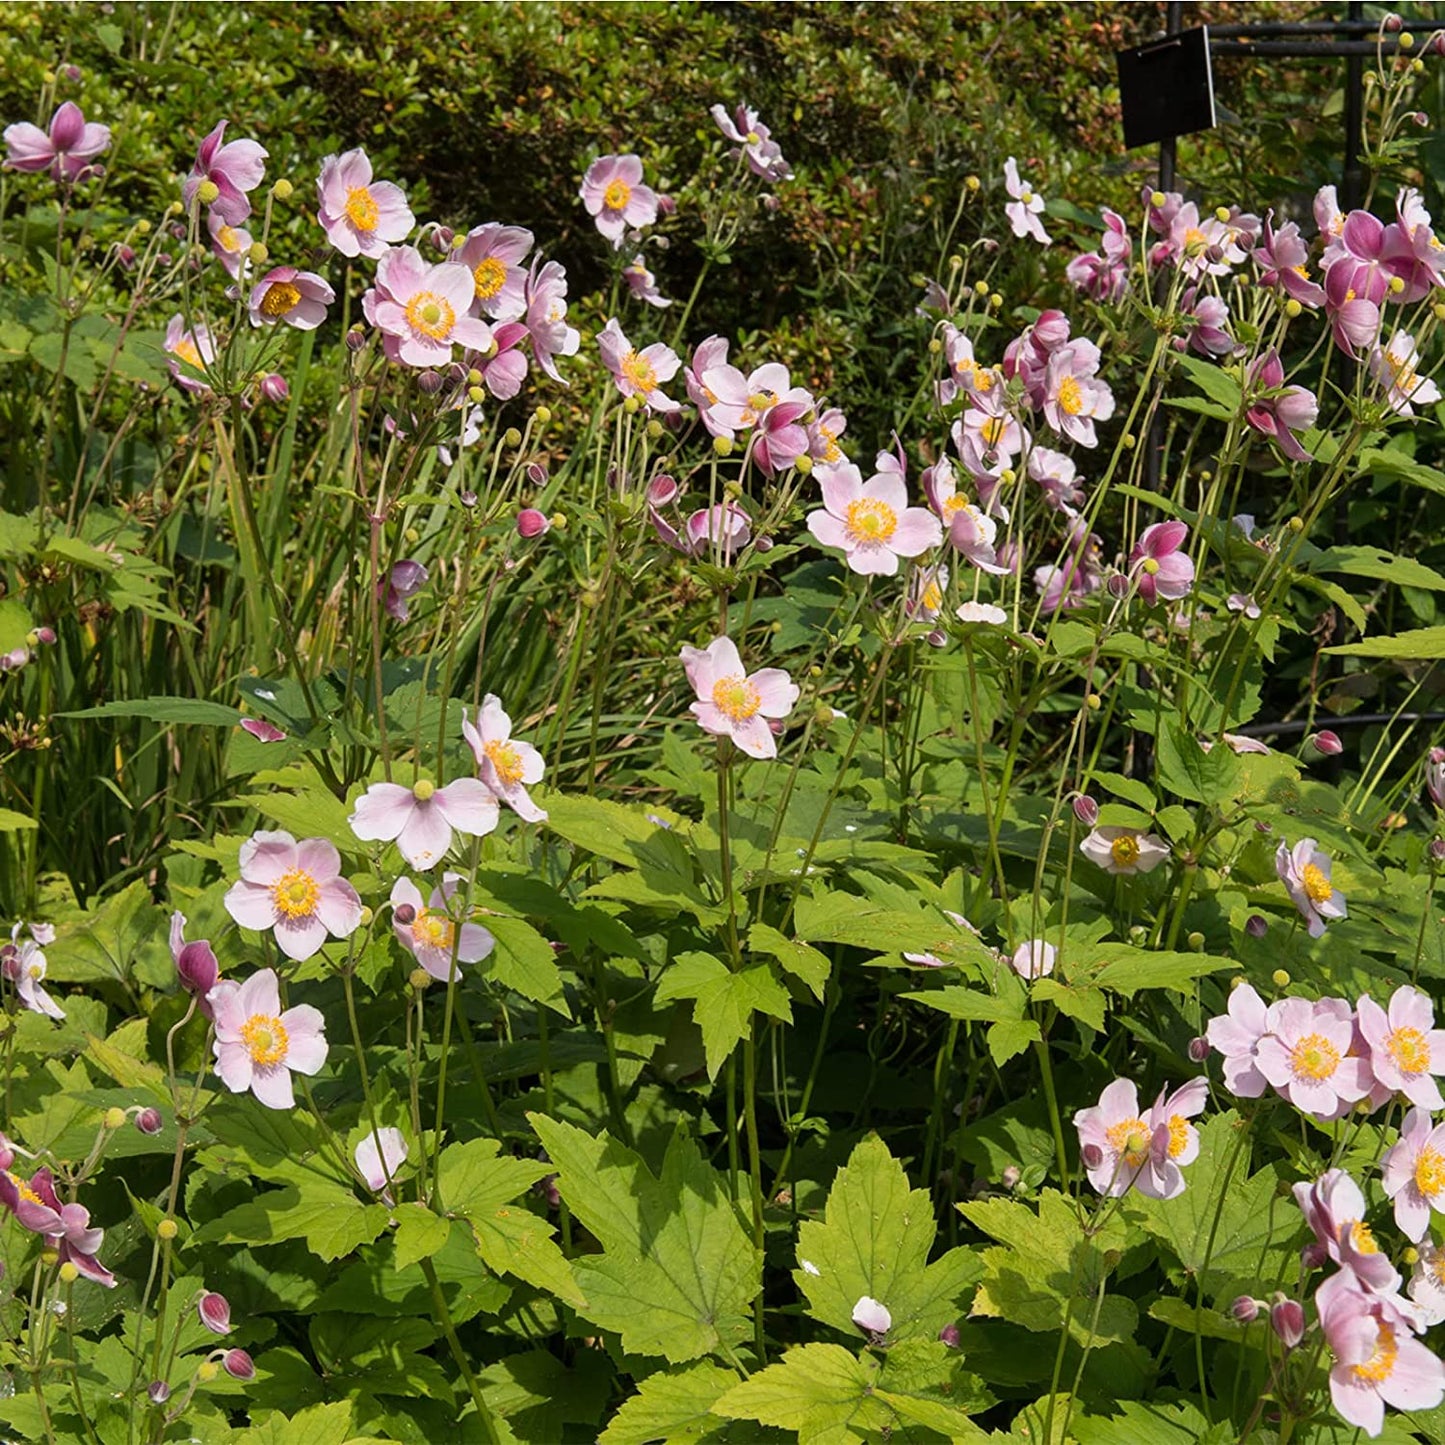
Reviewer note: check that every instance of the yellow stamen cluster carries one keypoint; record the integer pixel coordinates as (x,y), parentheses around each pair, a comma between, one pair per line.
(361,209)
(265,1038)
(296,894)
(870,520)
(736,698)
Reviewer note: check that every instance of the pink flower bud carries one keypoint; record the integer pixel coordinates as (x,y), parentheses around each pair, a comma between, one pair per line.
(149,1121)
(158,1392)
(532,523)
(1010,1176)
(1245,1309)
(7,1153)
(937,638)
(950,1336)
(238,1364)
(1391,23)
(1313,1256)
(1118,585)
(274,387)
(1256,925)
(72,73)
(355,340)
(430,382)
(1327,743)
(1086,810)
(45,635)
(1198,1050)
(1287,1317)
(1437,850)
(1092,1156)
(763,544)
(666,206)
(444,236)
(536,473)
(662,489)
(404,914)
(215,1312)
(126,256)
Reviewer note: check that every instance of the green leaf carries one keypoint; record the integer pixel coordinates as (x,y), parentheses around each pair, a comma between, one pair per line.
(672,1407)
(1375,562)
(13,822)
(539,1396)
(1252,1221)
(524,961)
(1150,1423)
(799,959)
(724,1001)
(821,1391)
(330,1220)
(419,1233)
(678,1269)
(1130,789)
(1214,382)
(1082,1001)
(480,1186)
(972,1004)
(874,1240)
(15,620)
(848,918)
(1009,1037)
(166,710)
(1187,771)
(1420,644)
(1044,1263)
(1391,463)
(313,813)
(1128,968)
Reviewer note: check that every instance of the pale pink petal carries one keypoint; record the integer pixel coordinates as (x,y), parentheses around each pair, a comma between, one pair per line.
(468,806)
(272,1086)
(251,905)
(264,857)
(299,938)
(382,812)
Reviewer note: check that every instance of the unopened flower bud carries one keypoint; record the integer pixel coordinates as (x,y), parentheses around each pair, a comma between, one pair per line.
(167,1229)
(1129,441)
(126,256)
(1086,809)
(1327,743)
(1195,940)
(1280,978)
(1287,1318)
(405,914)
(1392,23)
(207,1371)
(355,339)
(531,523)
(971,183)
(258,253)
(937,638)
(158,1392)
(1292,308)
(1010,1176)
(950,1336)
(1245,1309)
(1437,850)
(763,543)
(476,395)
(1420,118)
(723,446)
(207,192)
(275,387)
(1296,524)
(1091,1156)
(429,382)
(995,300)
(559,520)
(72,73)
(662,490)
(1256,925)
(239,1365)
(1118,585)
(666,205)
(215,1312)
(1093,702)
(1407,41)
(1198,1050)
(149,1121)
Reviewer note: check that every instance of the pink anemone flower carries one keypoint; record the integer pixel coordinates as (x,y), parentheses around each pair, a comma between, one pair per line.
(1124,850)
(1413,1173)
(507,765)
(871,521)
(1236,1034)
(1377,1361)
(1163,571)
(422,310)
(1393,366)
(234,169)
(299,298)
(1305,872)
(1334,1208)
(762,153)
(378,1156)
(643,284)
(433,937)
(66,1228)
(196,963)
(1073,396)
(1024,208)
(66,149)
(231,244)
(23,963)
(639,373)
(1306,1056)
(494,255)
(1406,1049)
(192,348)
(1277,410)
(736,704)
(505,369)
(1125,1149)
(613,193)
(547,328)
(420,819)
(295,889)
(257,1046)
(361,217)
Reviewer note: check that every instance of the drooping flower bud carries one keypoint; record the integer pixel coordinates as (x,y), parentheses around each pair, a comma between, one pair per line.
(1327,743)
(149,1121)
(950,1336)
(1256,925)
(158,1392)
(1245,1309)
(239,1365)
(275,387)
(1086,810)
(1198,1050)
(215,1312)
(1287,1317)
(532,523)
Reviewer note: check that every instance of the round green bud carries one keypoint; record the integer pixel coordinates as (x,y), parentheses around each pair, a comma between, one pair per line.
(631,406)
(1129,441)
(543,415)
(207,192)
(282,189)
(366,916)
(559,520)
(1296,524)
(418,978)
(474,377)
(1292,308)
(258,253)
(1407,41)
(955,262)
(115,1118)
(207,1371)
(654,429)
(1157,199)
(804,464)
(980,288)
(995,300)
(1093,702)
(971,183)
(68,1273)
(167,1229)
(935,346)
(512,437)
(1196,941)
(1280,978)
(1221,214)
(723,446)
(476,394)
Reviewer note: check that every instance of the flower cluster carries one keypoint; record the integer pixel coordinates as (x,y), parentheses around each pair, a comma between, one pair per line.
(1124,1148)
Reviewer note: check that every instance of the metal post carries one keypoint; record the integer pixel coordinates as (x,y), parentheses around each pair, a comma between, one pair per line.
(1352,182)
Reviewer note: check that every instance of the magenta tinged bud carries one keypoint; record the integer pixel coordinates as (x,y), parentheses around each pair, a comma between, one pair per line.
(126,256)
(1287,1317)
(149,1121)
(1256,925)
(532,523)
(355,340)
(1313,1256)
(1086,810)
(430,382)
(950,1336)
(444,238)
(1092,1156)
(1245,1309)
(662,489)
(1391,23)
(536,473)
(215,1312)
(1437,850)
(1327,743)
(45,635)
(274,387)
(238,1364)
(72,73)
(404,914)
(1010,1176)
(7,1153)
(158,1392)
(666,206)
(1198,1050)
(937,638)
(1118,585)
